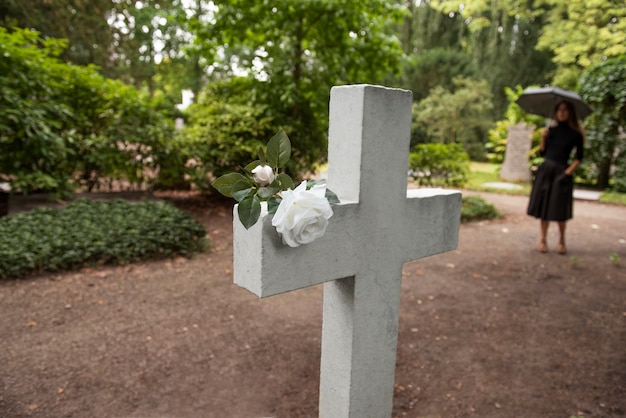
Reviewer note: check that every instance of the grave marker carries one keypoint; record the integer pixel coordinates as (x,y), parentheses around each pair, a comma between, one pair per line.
(378,226)
(515,165)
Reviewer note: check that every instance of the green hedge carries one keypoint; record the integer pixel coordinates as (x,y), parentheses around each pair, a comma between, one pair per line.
(475,208)
(434,164)
(63,126)
(88,232)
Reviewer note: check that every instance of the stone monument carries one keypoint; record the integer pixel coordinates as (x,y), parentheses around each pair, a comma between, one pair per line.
(519,141)
(377,227)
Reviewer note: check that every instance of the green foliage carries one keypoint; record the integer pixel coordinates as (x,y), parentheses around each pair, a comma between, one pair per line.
(63,125)
(250,190)
(500,37)
(82,24)
(496,145)
(481,173)
(34,147)
(439,163)
(221,135)
(475,208)
(603,86)
(293,53)
(581,33)
(457,115)
(121,37)
(437,67)
(88,232)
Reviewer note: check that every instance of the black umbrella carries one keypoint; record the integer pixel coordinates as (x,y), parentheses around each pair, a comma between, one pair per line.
(541,101)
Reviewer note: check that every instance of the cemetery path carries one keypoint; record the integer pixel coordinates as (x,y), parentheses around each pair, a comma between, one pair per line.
(493,329)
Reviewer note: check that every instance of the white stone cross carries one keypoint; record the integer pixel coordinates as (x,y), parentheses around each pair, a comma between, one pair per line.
(377,227)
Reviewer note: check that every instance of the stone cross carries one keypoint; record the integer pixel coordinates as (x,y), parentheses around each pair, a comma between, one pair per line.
(377,227)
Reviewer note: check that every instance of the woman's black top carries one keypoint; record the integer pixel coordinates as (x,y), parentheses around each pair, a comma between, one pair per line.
(560,141)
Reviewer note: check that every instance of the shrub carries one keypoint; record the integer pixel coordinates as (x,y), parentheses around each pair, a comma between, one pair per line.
(498,136)
(603,86)
(439,163)
(88,232)
(475,208)
(34,148)
(64,125)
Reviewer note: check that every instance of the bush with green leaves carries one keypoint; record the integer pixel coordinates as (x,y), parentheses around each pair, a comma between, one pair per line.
(64,125)
(456,114)
(603,86)
(34,146)
(475,208)
(445,164)
(498,136)
(87,232)
(221,134)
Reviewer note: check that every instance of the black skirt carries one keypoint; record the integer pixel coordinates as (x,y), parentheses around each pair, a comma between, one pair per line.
(552,194)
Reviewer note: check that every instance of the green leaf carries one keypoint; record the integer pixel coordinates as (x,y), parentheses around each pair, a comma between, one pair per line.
(273,203)
(267,192)
(262,159)
(249,211)
(241,190)
(311,183)
(284,182)
(254,164)
(225,184)
(279,150)
(332,197)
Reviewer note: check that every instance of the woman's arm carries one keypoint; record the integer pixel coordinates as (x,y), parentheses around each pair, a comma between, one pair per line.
(579,156)
(572,167)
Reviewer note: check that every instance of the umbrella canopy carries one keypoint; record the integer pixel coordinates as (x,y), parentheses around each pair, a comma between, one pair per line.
(541,101)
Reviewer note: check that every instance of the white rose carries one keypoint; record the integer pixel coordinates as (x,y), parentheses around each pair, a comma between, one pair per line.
(263,175)
(302,215)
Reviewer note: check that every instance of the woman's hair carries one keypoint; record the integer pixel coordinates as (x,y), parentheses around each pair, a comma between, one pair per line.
(572,118)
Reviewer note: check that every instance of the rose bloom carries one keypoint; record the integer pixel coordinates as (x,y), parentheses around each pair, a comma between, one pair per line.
(263,175)
(302,215)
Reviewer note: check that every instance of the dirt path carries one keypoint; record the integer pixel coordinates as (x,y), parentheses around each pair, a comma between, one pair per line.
(494,329)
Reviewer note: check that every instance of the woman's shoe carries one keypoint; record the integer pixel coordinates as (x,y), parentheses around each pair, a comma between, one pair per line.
(561,249)
(543,247)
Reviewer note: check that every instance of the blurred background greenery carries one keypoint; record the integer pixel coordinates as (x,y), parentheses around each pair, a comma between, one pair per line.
(89,90)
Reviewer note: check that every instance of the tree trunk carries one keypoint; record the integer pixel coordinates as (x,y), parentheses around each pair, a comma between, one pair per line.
(297,68)
(407,28)
(4,204)
(604,173)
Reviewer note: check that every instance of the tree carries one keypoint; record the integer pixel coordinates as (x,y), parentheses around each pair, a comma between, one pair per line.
(603,86)
(426,27)
(460,116)
(83,24)
(296,51)
(147,32)
(62,125)
(437,67)
(581,33)
(501,38)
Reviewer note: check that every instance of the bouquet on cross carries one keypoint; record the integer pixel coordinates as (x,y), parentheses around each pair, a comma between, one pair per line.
(301,213)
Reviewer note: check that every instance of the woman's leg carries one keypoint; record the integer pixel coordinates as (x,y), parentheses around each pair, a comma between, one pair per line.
(562,249)
(543,246)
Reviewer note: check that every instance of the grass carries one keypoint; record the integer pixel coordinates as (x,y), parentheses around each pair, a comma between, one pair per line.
(613,198)
(481,173)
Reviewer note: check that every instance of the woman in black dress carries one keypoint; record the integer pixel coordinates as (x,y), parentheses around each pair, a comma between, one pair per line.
(552,194)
